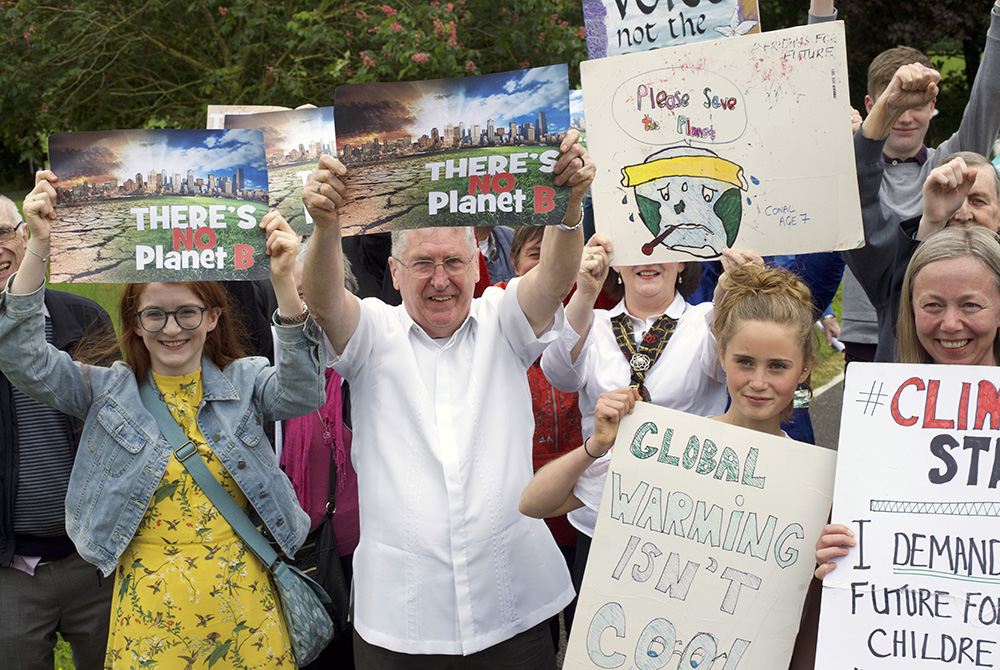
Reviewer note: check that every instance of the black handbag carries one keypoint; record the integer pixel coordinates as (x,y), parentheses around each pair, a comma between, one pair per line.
(319,559)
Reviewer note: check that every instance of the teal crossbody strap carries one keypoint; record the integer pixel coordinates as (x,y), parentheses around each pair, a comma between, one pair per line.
(187,454)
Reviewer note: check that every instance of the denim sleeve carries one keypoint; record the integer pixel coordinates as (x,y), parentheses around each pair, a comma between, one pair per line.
(37,368)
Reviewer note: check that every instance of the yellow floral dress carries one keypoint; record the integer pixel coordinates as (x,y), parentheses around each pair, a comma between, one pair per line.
(188,593)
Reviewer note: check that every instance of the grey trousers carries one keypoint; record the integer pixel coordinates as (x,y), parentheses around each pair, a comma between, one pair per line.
(65,596)
(530,650)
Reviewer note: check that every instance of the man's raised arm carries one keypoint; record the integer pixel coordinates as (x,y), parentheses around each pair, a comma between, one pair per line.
(333,307)
(544,287)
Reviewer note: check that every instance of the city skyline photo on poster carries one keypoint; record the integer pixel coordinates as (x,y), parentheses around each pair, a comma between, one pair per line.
(616,27)
(294,140)
(917,478)
(718,144)
(453,152)
(703,549)
(159,205)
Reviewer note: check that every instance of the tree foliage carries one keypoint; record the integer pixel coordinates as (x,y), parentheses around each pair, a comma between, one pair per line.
(94,65)
(101,65)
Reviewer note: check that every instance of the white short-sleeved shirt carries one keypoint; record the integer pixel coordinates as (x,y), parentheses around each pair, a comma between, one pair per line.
(685,377)
(442,447)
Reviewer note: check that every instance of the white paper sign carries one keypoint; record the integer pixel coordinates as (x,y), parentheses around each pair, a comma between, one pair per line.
(744,143)
(917,481)
(616,27)
(703,549)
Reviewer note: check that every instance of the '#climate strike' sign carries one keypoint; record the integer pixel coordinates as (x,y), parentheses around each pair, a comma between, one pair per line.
(917,482)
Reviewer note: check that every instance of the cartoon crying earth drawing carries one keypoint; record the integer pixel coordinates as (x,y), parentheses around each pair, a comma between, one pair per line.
(689,199)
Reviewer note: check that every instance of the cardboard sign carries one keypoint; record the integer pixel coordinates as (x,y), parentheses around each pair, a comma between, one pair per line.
(735,143)
(474,151)
(917,482)
(703,549)
(159,205)
(294,140)
(216,116)
(616,27)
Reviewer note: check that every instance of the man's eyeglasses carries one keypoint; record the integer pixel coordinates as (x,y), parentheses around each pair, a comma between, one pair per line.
(7,233)
(454,266)
(153,320)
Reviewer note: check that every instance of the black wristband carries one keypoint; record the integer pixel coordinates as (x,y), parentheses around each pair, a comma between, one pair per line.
(587,451)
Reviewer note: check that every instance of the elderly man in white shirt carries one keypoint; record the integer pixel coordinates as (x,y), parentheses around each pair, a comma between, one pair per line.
(448,573)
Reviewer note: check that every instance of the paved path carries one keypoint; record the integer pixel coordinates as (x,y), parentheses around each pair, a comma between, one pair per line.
(825,412)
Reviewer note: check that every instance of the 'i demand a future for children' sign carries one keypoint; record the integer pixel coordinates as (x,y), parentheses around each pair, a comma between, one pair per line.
(917,482)
(159,205)
(703,549)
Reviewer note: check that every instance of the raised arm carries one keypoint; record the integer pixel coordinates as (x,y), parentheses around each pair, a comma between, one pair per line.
(39,212)
(821,10)
(333,307)
(945,190)
(550,491)
(282,246)
(912,86)
(545,286)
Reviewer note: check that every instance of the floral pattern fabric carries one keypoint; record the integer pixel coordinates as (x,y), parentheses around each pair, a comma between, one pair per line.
(188,593)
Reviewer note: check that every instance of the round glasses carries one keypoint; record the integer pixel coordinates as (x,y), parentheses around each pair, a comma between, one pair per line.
(154,319)
(7,233)
(454,266)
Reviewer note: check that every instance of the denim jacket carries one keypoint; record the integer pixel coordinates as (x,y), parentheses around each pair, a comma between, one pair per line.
(122,456)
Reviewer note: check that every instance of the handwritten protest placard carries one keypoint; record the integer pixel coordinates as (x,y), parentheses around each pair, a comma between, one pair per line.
(616,27)
(703,549)
(159,205)
(294,140)
(474,151)
(917,482)
(741,143)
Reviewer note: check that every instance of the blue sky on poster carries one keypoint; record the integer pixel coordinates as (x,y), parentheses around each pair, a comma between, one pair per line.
(121,154)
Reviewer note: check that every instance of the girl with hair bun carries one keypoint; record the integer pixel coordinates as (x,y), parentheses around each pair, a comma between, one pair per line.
(763,323)
(764,327)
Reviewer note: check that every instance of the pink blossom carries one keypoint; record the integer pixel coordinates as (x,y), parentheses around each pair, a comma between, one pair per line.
(389,11)
(362,16)
(420,58)
(581,32)
(395,26)
(449,7)
(45,108)
(366,60)
(269,68)
(524,65)
(541,36)
(470,67)
(223,10)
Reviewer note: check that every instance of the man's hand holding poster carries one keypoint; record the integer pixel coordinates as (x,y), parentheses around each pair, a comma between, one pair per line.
(703,549)
(734,143)
(474,151)
(159,205)
(917,483)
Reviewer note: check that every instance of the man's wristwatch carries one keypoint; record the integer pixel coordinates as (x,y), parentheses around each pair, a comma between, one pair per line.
(291,320)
